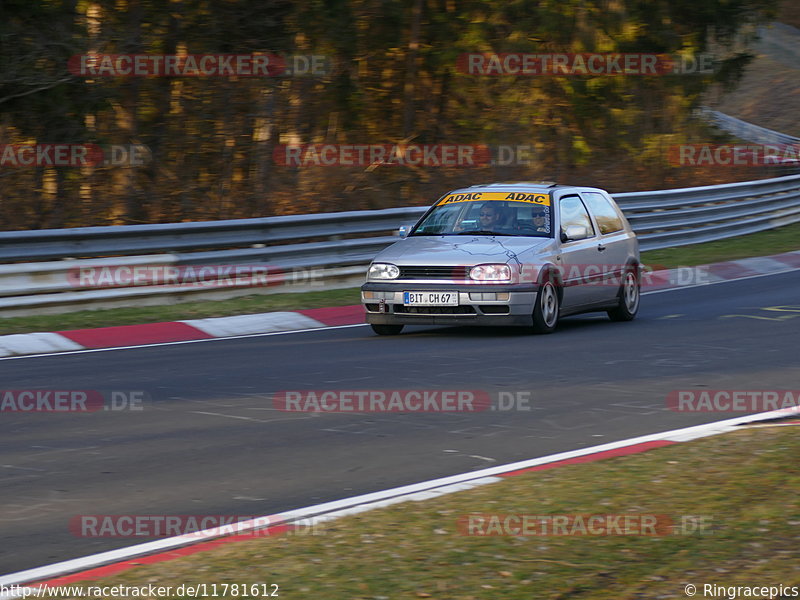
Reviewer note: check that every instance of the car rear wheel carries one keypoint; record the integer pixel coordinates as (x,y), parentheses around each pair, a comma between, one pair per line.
(628,296)
(386,329)
(545,313)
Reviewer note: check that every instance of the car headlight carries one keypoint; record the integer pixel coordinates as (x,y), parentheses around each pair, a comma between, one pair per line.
(383,271)
(490,273)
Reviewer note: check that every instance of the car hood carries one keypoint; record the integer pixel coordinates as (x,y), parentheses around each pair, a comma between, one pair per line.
(449,250)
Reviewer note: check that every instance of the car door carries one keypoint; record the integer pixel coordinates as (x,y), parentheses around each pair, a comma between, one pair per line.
(613,242)
(580,259)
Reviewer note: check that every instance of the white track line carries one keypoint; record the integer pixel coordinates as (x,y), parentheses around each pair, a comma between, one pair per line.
(365,502)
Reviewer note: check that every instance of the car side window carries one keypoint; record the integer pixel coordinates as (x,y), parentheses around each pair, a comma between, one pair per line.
(573,212)
(606,216)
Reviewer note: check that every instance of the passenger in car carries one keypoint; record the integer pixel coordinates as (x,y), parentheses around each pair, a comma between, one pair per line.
(537,222)
(540,222)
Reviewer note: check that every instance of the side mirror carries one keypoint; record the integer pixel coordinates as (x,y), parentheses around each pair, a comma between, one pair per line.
(575,232)
(404,230)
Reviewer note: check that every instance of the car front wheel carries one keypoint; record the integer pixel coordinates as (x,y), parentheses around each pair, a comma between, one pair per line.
(545,313)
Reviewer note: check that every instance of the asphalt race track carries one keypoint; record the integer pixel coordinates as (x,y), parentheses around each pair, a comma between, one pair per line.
(210,441)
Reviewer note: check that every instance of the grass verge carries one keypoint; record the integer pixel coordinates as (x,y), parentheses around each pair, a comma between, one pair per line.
(177,312)
(763,243)
(746,484)
(783,239)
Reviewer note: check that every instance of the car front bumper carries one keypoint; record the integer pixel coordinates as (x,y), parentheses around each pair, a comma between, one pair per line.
(488,304)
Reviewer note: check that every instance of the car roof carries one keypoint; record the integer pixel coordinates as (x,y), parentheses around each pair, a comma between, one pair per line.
(542,187)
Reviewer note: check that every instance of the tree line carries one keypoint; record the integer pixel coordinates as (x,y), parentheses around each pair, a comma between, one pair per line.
(391,74)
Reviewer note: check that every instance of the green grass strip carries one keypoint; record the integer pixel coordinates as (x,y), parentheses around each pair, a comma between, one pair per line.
(745,484)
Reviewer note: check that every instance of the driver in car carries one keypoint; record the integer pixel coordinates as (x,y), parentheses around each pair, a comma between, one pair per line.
(489,217)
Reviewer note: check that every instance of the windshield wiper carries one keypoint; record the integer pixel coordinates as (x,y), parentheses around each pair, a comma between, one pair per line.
(481,232)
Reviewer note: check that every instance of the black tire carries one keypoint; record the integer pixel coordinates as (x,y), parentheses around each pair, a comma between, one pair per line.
(386,329)
(545,312)
(628,296)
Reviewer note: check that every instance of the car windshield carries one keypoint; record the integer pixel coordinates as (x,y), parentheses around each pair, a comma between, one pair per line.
(489,217)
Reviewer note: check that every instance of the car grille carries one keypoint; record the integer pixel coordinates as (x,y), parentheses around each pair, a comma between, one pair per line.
(494,309)
(434,310)
(424,272)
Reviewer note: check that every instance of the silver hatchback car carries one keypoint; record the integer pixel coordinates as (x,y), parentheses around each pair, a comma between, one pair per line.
(520,254)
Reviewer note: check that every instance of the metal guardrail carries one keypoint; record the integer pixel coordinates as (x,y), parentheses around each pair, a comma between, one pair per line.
(744,130)
(172,237)
(326,250)
(668,218)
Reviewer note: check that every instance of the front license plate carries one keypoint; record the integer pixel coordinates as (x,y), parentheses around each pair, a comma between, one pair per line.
(430,298)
